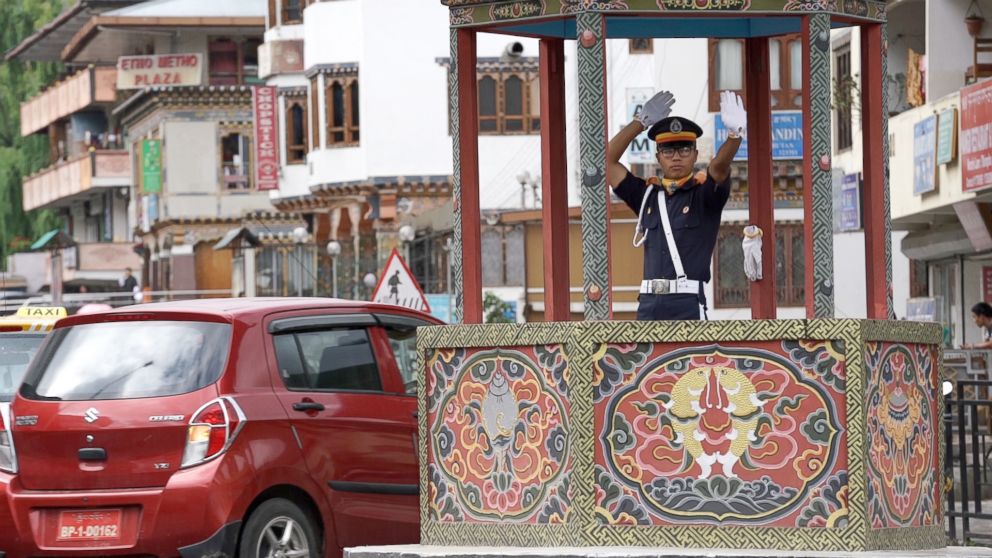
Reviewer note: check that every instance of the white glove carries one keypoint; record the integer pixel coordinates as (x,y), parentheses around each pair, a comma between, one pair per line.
(732,113)
(657,108)
(752,252)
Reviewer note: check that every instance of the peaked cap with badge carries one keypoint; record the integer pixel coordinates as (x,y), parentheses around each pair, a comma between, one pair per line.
(673,129)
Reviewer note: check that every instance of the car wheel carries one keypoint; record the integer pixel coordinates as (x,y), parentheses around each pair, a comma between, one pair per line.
(279,529)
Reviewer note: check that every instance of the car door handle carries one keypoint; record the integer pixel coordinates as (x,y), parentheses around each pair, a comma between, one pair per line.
(308,406)
(92,454)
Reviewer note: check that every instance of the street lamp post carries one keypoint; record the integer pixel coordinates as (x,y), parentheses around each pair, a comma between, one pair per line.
(300,237)
(407,234)
(334,250)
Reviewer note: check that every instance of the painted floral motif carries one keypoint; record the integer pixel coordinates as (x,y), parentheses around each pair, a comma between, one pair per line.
(613,365)
(902,445)
(737,5)
(516,10)
(810,6)
(576,6)
(461,16)
(500,436)
(722,434)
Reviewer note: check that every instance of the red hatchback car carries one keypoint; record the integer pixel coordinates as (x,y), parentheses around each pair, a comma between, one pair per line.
(233,427)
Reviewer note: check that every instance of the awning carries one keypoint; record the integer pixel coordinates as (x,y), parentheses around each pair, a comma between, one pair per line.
(935,244)
(241,233)
(53,240)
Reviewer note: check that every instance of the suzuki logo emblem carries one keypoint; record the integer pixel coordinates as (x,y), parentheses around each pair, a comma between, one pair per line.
(91,415)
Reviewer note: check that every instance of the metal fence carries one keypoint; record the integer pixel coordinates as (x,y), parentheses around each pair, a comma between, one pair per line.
(968,446)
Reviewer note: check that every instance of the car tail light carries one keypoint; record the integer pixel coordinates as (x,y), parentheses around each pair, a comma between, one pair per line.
(212,430)
(8,461)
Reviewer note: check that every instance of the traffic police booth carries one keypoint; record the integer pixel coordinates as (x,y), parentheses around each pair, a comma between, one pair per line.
(819,434)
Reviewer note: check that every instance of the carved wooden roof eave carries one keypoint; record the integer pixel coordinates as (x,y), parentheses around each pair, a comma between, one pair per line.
(484,13)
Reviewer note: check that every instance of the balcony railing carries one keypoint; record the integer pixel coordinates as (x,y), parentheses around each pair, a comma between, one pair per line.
(84,88)
(77,175)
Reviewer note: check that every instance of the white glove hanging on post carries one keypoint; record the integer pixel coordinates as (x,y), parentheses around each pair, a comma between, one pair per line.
(752,252)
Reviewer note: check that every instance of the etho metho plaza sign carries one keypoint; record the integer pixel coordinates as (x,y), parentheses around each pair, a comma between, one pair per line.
(135,72)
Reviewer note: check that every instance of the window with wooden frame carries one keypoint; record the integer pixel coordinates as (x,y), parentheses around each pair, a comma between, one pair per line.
(296,130)
(235,160)
(842,110)
(641,46)
(270,20)
(292,12)
(785,65)
(341,106)
(232,62)
(731,288)
(509,102)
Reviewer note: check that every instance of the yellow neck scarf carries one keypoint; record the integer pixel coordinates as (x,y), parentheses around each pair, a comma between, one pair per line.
(671,184)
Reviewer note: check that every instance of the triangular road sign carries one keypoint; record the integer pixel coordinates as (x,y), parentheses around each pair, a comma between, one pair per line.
(398,287)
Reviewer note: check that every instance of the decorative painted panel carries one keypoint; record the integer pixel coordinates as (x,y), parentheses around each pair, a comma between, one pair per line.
(726,434)
(635,367)
(500,436)
(903,443)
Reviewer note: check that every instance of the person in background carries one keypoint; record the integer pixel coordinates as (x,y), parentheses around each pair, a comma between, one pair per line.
(128,283)
(981,314)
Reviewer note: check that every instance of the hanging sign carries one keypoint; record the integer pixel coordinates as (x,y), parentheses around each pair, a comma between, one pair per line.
(947,136)
(266,138)
(151,165)
(976,136)
(925,156)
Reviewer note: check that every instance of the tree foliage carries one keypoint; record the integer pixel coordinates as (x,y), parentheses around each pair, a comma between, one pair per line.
(21,156)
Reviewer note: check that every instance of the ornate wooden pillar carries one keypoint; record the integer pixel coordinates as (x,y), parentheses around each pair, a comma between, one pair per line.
(817,178)
(593,137)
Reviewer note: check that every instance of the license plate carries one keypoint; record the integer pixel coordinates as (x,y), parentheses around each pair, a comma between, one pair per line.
(89,525)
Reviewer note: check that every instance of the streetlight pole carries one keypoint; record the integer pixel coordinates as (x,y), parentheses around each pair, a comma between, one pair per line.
(300,237)
(334,250)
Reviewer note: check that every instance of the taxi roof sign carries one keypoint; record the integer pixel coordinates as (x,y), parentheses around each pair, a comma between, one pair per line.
(42,312)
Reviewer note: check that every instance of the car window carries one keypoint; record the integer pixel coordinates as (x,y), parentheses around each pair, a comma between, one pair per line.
(16,352)
(334,359)
(128,360)
(404,344)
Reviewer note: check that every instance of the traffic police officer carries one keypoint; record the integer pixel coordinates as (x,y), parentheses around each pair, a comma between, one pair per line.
(678,212)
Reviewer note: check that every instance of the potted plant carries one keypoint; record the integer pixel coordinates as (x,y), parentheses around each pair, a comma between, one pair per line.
(973,19)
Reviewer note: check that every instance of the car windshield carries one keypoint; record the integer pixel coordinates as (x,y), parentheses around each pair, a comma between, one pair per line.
(128,360)
(16,352)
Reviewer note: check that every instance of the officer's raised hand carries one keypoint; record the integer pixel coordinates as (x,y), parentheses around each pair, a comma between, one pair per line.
(657,108)
(734,118)
(732,113)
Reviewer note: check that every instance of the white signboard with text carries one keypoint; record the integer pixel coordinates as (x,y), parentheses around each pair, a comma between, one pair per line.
(159,70)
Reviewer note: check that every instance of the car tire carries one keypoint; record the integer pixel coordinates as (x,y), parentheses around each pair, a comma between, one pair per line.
(265,533)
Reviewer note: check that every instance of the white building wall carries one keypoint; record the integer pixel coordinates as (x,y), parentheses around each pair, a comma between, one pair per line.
(949,47)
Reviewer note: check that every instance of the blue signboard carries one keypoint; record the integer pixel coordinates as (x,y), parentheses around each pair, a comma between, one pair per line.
(440,306)
(850,203)
(925,156)
(787,136)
